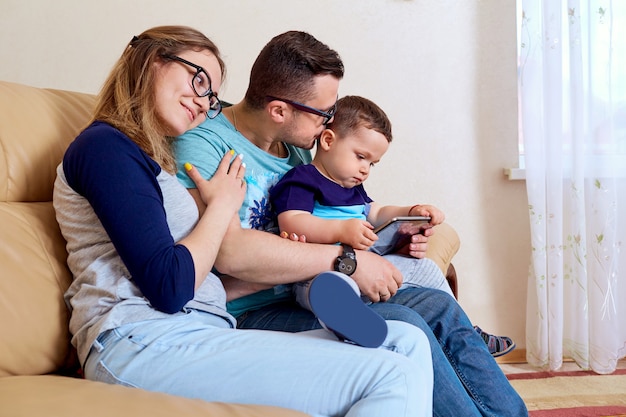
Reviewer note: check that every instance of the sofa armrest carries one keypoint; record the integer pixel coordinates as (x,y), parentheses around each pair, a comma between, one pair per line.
(451,278)
(442,246)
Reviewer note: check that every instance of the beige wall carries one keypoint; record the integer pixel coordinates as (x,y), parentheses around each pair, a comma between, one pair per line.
(445,72)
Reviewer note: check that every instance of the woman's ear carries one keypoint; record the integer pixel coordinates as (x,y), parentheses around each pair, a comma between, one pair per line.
(327,138)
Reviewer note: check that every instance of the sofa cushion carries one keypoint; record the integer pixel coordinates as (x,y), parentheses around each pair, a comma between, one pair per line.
(36,126)
(35,335)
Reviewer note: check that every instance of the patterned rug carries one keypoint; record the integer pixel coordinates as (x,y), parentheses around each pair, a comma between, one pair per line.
(572,393)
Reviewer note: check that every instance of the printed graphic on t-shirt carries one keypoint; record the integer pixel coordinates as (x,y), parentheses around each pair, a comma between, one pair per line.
(256,211)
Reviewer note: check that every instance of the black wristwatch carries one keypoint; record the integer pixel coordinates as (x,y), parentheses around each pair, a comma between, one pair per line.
(346,263)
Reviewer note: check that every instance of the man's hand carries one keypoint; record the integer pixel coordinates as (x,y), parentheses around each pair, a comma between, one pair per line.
(418,245)
(376,277)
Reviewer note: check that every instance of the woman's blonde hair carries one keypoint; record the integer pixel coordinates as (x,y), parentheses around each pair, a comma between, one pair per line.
(127,99)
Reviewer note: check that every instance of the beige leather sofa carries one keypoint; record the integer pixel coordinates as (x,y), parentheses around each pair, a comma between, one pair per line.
(38,366)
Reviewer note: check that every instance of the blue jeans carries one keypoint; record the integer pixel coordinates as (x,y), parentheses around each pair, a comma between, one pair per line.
(466,377)
(198,355)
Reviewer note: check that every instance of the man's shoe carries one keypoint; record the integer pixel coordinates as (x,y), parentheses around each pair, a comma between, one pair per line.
(338,306)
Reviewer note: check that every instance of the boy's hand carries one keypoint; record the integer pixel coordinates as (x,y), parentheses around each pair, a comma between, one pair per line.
(357,233)
(436,215)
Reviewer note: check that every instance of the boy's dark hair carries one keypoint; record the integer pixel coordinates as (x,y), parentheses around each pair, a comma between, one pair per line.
(354,112)
(286,68)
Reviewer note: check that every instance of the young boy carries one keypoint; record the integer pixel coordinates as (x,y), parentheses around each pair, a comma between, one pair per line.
(326,202)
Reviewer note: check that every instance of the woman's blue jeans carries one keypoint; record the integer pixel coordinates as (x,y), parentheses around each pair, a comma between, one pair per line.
(199,355)
(467,380)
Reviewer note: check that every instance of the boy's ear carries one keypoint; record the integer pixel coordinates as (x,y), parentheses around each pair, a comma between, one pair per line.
(326,139)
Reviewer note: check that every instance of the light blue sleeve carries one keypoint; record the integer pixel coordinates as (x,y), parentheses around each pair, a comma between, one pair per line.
(202,147)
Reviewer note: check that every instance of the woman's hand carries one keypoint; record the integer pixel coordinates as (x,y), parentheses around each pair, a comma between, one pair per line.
(293,236)
(227,186)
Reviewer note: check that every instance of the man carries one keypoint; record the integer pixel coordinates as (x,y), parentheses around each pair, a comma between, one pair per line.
(291,96)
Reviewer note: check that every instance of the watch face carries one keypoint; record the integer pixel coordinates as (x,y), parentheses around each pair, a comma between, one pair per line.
(346,266)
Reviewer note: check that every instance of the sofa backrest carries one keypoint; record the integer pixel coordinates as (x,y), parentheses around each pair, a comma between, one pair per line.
(36,126)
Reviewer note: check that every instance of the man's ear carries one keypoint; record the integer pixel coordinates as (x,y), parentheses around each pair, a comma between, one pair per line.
(327,138)
(276,110)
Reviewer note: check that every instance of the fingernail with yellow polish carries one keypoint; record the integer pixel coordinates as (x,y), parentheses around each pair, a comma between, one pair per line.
(232,151)
(187,166)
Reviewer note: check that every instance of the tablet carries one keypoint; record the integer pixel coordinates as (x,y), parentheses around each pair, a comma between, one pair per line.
(397,232)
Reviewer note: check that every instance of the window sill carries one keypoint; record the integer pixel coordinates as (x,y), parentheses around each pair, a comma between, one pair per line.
(515,174)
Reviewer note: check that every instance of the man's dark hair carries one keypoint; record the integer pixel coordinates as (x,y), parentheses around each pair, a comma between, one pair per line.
(286,67)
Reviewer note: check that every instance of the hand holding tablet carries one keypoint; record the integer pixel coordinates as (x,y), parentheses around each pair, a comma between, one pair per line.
(397,232)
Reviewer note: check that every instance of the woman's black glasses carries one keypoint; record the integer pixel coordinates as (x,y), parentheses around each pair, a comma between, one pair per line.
(201,84)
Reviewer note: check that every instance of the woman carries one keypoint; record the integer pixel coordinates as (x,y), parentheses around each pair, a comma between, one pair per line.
(146,311)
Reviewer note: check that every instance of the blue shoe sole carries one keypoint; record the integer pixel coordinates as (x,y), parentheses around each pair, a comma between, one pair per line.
(335,303)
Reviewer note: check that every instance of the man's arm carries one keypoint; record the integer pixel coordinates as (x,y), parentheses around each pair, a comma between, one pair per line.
(264,258)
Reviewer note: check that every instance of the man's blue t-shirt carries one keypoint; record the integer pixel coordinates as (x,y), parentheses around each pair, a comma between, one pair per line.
(204,148)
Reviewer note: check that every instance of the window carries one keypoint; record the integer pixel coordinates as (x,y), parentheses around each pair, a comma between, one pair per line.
(590,86)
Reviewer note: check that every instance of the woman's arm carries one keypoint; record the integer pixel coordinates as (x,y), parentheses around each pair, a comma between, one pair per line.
(221,196)
(121,184)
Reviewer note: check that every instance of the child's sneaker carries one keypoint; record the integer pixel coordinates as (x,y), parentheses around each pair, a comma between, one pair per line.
(498,345)
(336,301)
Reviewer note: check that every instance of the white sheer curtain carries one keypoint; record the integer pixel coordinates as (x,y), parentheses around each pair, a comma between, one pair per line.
(572,79)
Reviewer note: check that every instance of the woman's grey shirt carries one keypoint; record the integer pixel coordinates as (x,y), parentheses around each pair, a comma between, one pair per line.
(104,294)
